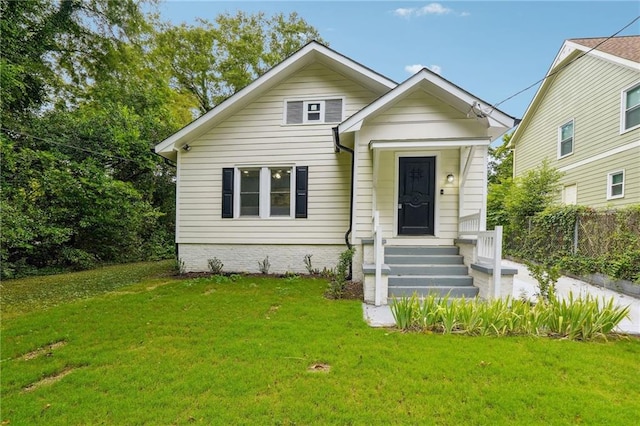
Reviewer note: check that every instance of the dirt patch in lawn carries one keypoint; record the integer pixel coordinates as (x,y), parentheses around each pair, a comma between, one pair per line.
(319,367)
(46,350)
(48,380)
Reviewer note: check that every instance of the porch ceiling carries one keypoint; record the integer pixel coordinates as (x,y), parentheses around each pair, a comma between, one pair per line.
(427,143)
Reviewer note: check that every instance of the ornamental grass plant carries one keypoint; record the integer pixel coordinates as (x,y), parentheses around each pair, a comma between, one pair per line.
(582,318)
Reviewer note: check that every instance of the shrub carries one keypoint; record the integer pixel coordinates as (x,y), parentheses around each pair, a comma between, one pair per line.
(338,282)
(215,265)
(264,266)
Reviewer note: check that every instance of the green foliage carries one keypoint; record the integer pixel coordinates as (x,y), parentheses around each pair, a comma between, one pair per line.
(573,318)
(547,276)
(264,266)
(213,60)
(247,346)
(215,265)
(501,162)
(87,88)
(340,276)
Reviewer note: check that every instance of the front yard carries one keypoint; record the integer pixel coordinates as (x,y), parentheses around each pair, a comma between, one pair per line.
(162,350)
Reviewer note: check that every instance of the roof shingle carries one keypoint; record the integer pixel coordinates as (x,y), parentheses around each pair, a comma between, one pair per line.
(627,47)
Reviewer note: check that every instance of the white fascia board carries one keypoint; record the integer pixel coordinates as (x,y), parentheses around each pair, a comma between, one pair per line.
(355,121)
(427,143)
(275,74)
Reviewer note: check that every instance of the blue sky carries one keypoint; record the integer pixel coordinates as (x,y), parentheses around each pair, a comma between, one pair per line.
(492,49)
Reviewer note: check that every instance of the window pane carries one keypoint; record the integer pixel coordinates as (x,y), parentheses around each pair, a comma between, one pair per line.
(280,197)
(617,178)
(633,97)
(313,107)
(616,190)
(632,118)
(250,192)
(566,147)
(250,181)
(566,131)
(313,116)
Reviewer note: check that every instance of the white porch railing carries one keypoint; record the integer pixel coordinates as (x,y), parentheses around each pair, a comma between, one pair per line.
(378,257)
(469,225)
(488,245)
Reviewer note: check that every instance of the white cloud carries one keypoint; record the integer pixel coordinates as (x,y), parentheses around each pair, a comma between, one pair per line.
(430,9)
(465,14)
(433,9)
(412,69)
(404,12)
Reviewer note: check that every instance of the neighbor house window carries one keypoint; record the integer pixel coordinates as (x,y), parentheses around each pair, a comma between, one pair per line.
(313,111)
(615,185)
(265,192)
(631,108)
(565,139)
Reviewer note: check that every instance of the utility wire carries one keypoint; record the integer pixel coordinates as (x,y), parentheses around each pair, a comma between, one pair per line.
(14,132)
(494,106)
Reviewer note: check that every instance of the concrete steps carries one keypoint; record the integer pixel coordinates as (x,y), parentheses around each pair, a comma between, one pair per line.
(428,270)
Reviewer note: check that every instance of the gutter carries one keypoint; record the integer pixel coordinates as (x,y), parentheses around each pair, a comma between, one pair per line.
(339,147)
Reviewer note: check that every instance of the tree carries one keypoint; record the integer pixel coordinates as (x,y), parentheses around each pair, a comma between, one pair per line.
(213,60)
(87,89)
(500,182)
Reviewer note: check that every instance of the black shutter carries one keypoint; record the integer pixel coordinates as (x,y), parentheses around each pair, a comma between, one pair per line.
(302,191)
(227,192)
(294,112)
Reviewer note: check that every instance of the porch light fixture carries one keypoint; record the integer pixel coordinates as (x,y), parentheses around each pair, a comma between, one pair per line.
(186,147)
(450,178)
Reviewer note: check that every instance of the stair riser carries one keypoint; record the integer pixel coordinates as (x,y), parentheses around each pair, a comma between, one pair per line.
(433,282)
(423,260)
(436,250)
(429,270)
(466,292)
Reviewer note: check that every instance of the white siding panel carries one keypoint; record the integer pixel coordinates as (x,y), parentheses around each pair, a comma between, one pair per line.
(257,136)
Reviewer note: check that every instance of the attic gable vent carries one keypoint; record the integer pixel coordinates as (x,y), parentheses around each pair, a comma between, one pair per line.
(314,111)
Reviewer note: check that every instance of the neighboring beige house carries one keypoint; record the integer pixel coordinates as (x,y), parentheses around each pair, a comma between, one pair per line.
(301,160)
(585,119)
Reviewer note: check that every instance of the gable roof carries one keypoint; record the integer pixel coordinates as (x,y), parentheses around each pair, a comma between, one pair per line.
(627,47)
(310,53)
(624,51)
(441,88)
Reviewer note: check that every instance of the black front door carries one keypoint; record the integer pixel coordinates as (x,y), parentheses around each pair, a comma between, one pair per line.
(416,195)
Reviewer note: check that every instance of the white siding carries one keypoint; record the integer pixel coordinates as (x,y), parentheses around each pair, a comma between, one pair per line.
(256,136)
(588,91)
(418,116)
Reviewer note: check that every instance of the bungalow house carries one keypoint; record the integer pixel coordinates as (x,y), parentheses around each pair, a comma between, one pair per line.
(302,160)
(585,120)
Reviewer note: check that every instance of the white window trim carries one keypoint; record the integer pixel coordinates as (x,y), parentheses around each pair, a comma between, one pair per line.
(623,108)
(308,100)
(573,138)
(265,192)
(305,112)
(610,185)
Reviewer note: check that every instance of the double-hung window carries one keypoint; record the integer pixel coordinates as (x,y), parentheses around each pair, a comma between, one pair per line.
(615,185)
(631,108)
(565,139)
(264,192)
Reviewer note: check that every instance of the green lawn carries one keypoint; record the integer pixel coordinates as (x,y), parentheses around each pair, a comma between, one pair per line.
(168,351)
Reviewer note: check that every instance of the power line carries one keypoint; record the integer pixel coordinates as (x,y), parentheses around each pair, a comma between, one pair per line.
(494,106)
(14,132)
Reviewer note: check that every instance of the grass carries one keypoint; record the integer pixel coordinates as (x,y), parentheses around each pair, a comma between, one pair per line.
(206,351)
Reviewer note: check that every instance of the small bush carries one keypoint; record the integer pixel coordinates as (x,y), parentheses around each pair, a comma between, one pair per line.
(264,266)
(307,263)
(215,265)
(180,266)
(338,282)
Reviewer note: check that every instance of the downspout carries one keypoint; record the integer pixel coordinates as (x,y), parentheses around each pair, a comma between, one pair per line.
(339,147)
